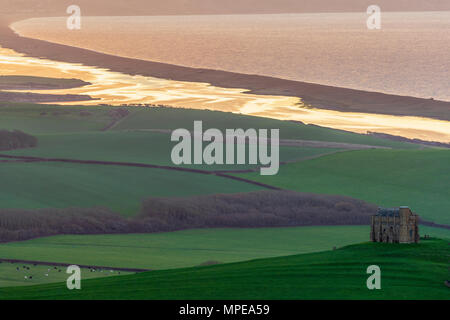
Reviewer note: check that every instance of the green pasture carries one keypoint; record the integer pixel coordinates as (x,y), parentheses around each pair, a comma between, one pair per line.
(62,185)
(137,147)
(27,274)
(408,271)
(186,248)
(416,178)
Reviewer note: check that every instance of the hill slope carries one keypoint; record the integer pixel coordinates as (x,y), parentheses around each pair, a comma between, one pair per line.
(415,271)
(419,179)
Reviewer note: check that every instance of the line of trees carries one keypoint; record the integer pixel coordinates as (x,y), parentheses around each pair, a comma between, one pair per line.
(16,139)
(245,210)
(17,224)
(270,208)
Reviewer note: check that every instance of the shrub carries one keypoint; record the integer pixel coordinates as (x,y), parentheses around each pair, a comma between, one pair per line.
(10,140)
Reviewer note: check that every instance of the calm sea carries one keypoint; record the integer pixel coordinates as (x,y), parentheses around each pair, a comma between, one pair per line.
(410,55)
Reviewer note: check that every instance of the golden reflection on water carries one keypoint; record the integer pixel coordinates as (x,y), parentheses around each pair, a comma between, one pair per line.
(116,88)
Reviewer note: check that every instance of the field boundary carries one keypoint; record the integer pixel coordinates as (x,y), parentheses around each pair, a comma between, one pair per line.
(434,225)
(114,123)
(291,142)
(139,165)
(61,264)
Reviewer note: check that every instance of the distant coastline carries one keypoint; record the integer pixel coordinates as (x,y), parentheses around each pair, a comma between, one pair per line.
(318,96)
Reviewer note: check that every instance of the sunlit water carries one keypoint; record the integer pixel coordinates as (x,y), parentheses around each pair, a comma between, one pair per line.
(117,88)
(409,56)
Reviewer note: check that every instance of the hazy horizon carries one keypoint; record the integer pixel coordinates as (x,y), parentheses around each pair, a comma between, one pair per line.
(156,7)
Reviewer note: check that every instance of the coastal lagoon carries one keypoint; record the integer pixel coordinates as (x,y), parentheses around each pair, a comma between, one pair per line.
(409,56)
(115,88)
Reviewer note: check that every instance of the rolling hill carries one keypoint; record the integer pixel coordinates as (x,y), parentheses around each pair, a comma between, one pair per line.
(416,271)
(417,178)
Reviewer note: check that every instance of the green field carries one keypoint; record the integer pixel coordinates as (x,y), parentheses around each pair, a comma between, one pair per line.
(138,147)
(190,247)
(266,263)
(416,178)
(173,250)
(13,274)
(39,82)
(416,271)
(62,185)
(165,118)
(33,119)
(182,248)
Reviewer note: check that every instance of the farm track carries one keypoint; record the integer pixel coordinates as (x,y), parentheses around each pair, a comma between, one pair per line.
(114,123)
(137,165)
(292,142)
(281,162)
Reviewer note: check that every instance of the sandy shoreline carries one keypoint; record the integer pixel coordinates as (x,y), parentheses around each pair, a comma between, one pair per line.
(319,96)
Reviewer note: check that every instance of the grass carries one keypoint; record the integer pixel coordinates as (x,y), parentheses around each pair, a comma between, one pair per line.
(417,178)
(62,185)
(11,277)
(31,81)
(138,147)
(34,119)
(415,271)
(165,118)
(435,232)
(183,248)
(189,248)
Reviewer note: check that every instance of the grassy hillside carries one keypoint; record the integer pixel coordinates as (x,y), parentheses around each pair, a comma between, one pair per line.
(61,185)
(166,118)
(415,271)
(10,140)
(169,250)
(25,274)
(36,83)
(139,147)
(33,118)
(417,178)
(182,248)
